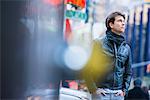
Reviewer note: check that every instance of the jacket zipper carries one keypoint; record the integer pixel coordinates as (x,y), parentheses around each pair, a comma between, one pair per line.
(115,63)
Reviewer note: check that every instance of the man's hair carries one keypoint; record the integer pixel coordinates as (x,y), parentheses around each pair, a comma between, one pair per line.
(137,82)
(111,18)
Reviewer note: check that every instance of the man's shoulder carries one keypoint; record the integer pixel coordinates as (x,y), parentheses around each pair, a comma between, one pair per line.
(133,89)
(100,39)
(127,45)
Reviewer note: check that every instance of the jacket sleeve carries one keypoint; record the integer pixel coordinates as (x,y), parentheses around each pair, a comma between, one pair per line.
(128,73)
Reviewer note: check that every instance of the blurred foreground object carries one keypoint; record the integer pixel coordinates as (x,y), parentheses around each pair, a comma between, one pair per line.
(96,66)
(32,49)
(70,94)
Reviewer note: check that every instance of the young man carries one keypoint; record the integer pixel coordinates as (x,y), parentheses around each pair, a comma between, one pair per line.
(115,84)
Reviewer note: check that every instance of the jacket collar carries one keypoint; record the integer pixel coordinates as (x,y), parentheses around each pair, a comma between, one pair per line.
(118,39)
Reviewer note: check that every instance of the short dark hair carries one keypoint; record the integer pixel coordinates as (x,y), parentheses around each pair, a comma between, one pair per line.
(137,82)
(111,18)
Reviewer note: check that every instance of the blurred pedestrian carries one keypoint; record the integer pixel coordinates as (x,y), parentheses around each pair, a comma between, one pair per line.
(137,93)
(115,83)
(145,89)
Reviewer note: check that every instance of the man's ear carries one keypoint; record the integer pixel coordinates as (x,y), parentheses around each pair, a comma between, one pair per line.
(111,25)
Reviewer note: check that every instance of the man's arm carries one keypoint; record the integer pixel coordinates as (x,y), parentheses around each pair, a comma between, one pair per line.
(128,73)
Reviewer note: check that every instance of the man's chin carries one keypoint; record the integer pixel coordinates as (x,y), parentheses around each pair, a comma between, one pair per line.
(122,31)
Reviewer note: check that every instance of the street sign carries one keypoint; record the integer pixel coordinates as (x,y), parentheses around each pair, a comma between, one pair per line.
(75,15)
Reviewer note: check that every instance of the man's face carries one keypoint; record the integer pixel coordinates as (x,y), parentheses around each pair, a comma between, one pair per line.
(119,25)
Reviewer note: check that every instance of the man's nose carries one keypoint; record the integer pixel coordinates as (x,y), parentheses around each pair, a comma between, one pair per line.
(123,23)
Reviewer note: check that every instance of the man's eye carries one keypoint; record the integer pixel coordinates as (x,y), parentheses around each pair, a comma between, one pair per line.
(121,21)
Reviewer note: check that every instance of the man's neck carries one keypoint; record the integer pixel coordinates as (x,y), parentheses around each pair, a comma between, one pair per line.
(116,32)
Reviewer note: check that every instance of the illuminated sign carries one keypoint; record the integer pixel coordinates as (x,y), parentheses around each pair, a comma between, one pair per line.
(76,15)
(79,3)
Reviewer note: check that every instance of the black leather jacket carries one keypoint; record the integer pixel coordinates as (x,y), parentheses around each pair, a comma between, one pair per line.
(120,73)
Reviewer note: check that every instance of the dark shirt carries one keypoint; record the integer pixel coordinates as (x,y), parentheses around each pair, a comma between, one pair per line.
(137,94)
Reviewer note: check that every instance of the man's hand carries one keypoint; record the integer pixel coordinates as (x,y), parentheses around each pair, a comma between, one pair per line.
(100,91)
(121,93)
